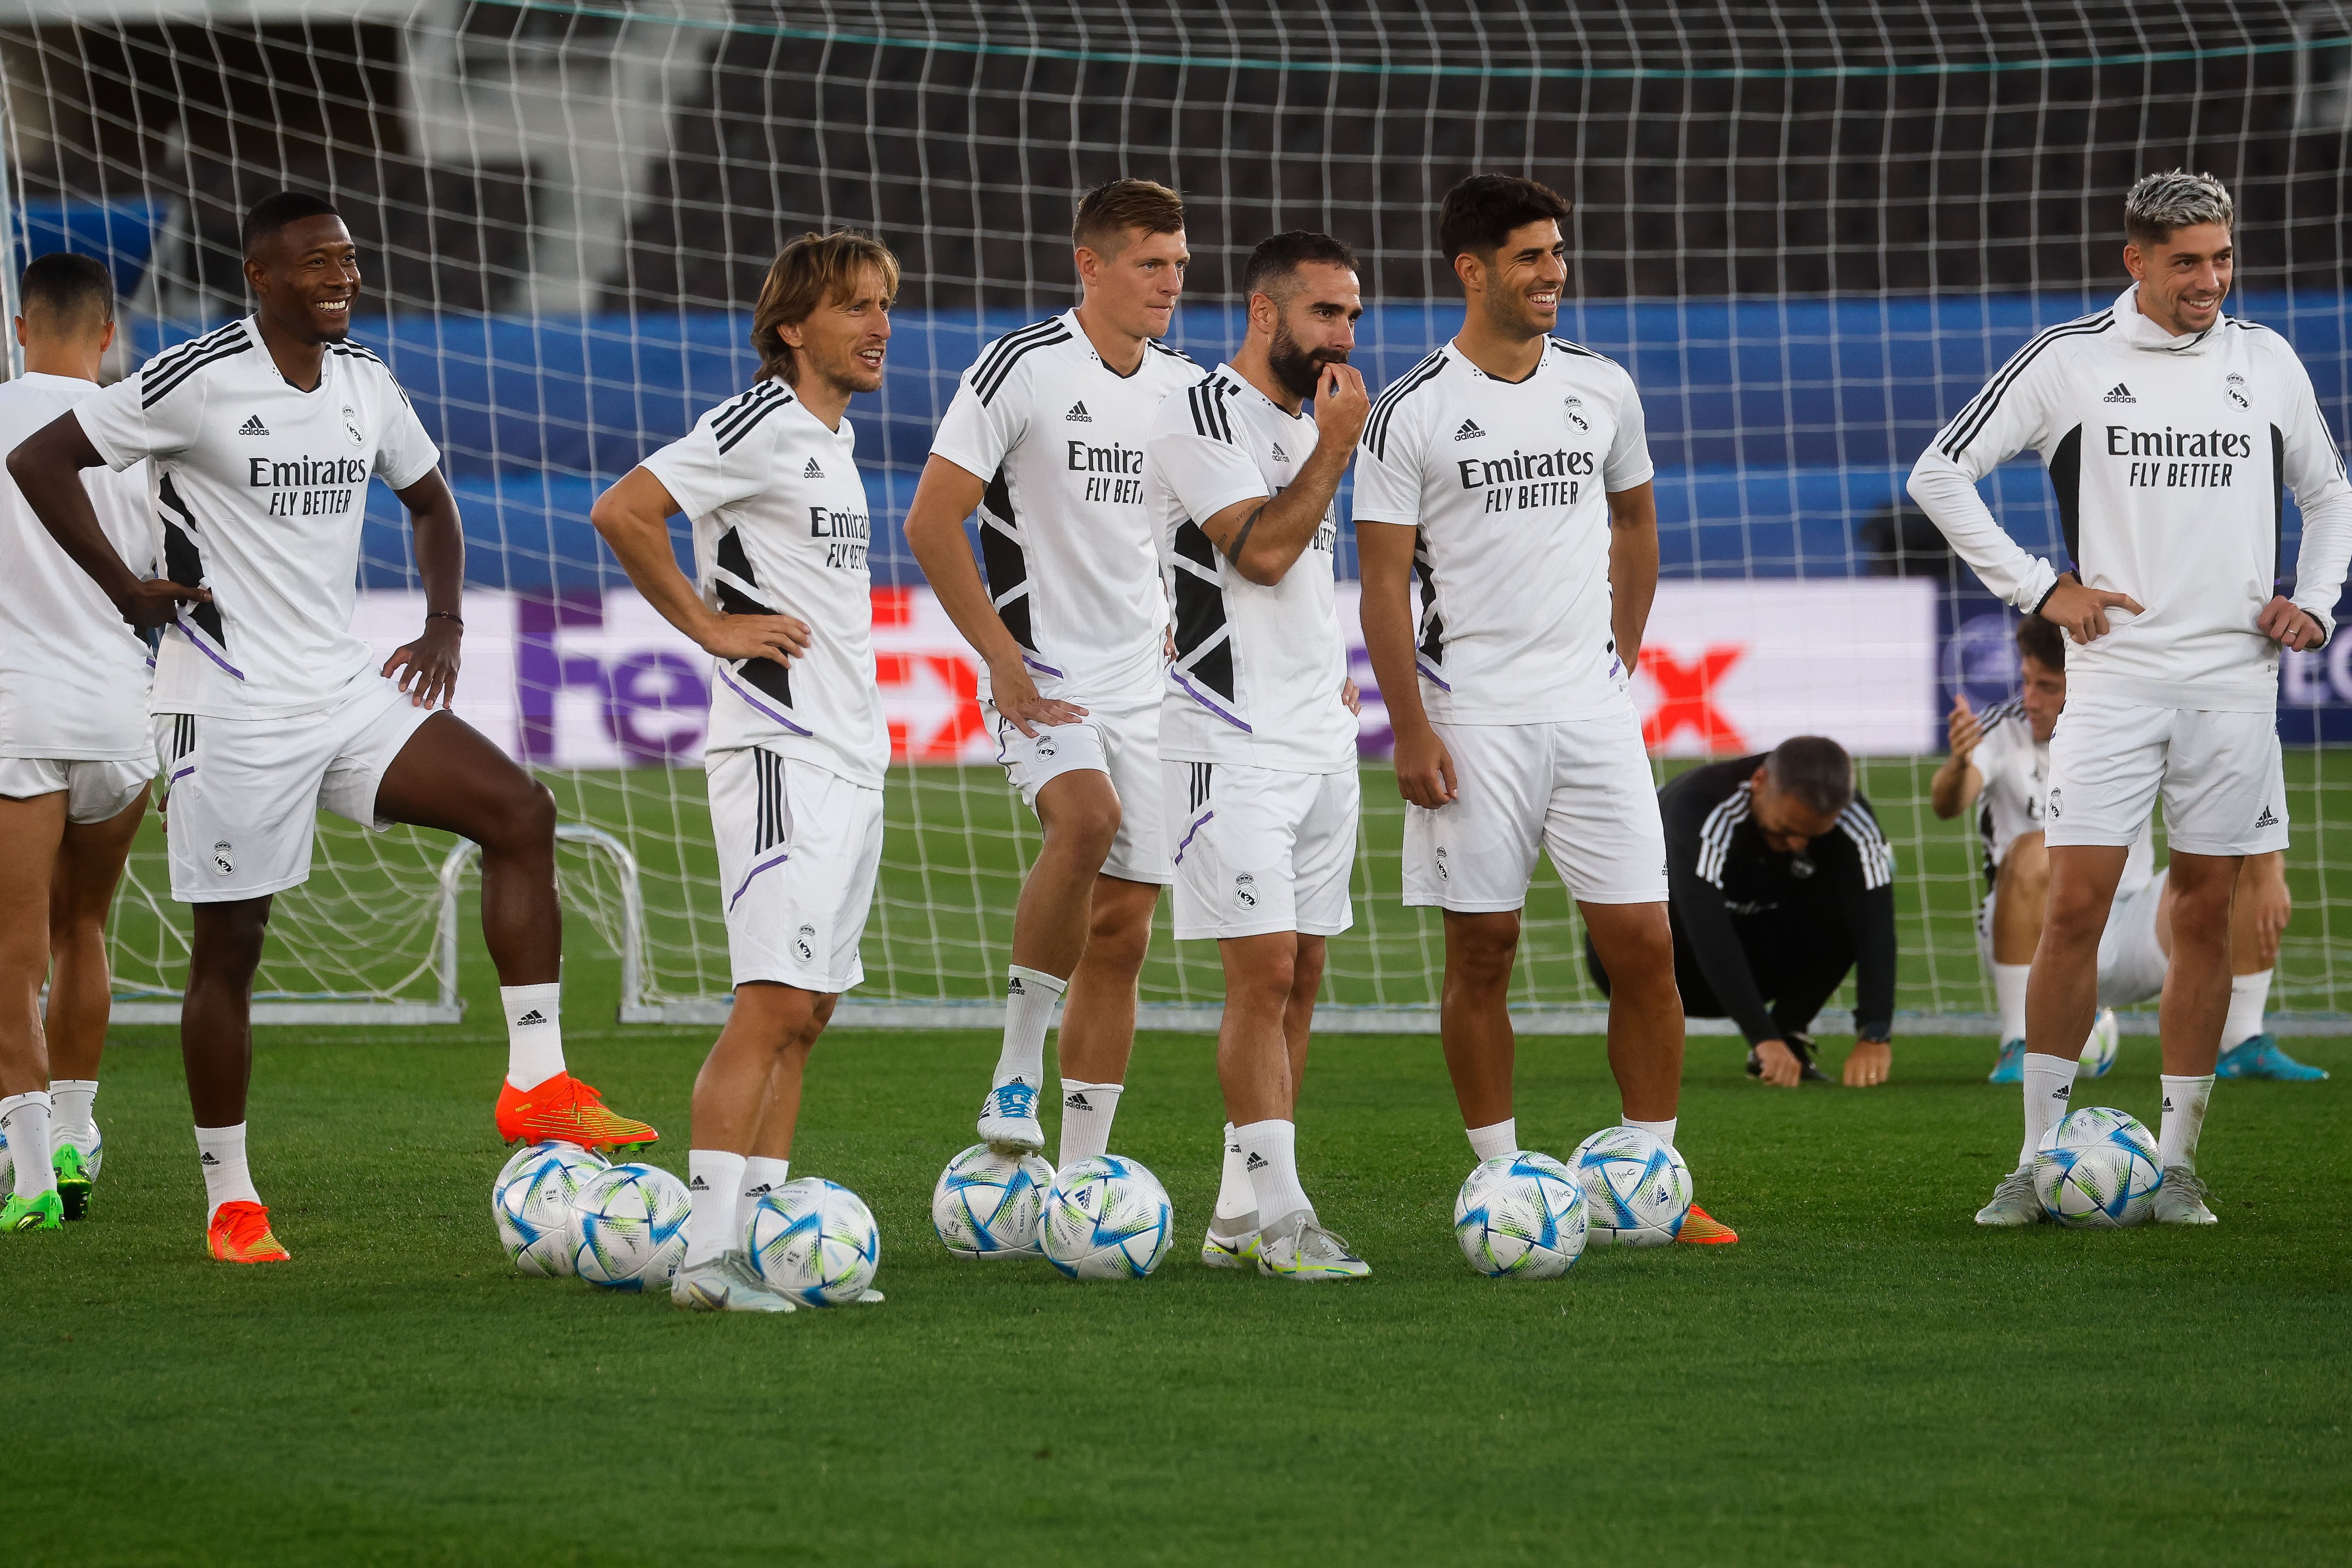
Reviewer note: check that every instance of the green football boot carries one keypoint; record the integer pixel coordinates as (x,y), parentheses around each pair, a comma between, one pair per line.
(44,1213)
(74,1180)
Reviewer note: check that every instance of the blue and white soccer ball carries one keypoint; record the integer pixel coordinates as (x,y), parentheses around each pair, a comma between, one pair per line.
(1639,1189)
(1521,1216)
(631,1222)
(92,1157)
(2097,1170)
(1107,1218)
(532,1203)
(2099,1050)
(988,1204)
(816,1241)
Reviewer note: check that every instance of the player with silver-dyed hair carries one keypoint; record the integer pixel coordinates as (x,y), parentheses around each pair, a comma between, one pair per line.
(2170,430)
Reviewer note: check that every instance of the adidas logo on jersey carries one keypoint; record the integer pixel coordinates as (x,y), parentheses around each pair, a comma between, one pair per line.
(1469,431)
(2122,393)
(253,427)
(533,1017)
(812,471)
(1279,454)
(2266,819)
(1078,415)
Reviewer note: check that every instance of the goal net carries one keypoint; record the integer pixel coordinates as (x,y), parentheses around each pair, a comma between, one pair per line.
(1810,232)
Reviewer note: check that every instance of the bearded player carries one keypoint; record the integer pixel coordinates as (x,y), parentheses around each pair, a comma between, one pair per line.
(2170,430)
(262,437)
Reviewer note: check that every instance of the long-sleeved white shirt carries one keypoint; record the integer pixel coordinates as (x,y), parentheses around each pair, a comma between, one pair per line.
(2171,458)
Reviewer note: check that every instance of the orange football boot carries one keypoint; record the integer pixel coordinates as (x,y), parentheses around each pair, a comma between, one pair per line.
(562,1109)
(1702,1229)
(239,1232)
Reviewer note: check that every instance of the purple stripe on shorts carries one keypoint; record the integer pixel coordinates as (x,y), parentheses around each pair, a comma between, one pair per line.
(754,871)
(183,772)
(745,693)
(1197,823)
(1194,694)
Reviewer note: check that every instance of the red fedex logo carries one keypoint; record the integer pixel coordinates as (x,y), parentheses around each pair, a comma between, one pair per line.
(1687,698)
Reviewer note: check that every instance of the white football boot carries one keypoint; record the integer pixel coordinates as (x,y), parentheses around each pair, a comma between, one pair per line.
(1008,1120)
(2181,1199)
(1237,1251)
(726,1284)
(2014,1201)
(1300,1248)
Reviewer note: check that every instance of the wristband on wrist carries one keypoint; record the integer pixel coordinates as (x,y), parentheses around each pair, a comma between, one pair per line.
(449,615)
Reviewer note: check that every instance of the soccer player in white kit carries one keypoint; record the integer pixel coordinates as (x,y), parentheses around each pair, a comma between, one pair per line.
(1257,728)
(1510,471)
(1999,763)
(75,762)
(2170,431)
(797,744)
(262,437)
(1045,440)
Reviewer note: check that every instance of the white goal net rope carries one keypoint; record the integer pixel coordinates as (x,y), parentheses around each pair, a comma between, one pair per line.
(1810,232)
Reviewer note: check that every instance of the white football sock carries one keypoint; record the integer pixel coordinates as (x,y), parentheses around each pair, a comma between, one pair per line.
(714,1177)
(2049,1086)
(220,1151)
(1495,1140)
(761,1176)
(1236,1199)
(2249,994)
(73,1107)
(1086,1112)
(1664,1132)
(1029,998)
(535,1032)
(2009,998)
(25,1122)
(1270,1152)
(2185,1099)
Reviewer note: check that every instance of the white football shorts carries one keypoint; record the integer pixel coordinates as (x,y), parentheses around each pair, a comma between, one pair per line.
(1260,850)
(2223,784)
(1580,788)
(1120,739)
(243,796)
(2131,959)
(94,791)
(799,848)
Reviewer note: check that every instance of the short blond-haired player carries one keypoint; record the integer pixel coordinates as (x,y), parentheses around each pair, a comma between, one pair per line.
(797,741)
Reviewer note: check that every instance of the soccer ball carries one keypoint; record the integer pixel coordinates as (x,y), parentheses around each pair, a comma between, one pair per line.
(1639,1189)
(532,1203)
(1107,1218)
(988,1204)
(815,1240)
(92,1157)
(631,1225)
(2099,1050)
(1521,1216)
(2096,1169)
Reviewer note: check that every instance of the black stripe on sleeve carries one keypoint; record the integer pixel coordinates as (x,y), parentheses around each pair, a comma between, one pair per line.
(1376,430)
(998,366)
(151,394)
(1975,416)
(735,438)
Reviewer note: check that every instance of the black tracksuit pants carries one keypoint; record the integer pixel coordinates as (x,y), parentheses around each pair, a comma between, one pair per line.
(1800,954)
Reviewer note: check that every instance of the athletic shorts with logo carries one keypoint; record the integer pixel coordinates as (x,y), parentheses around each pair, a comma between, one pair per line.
(799,848)
(2223,784)
(94,791)
(2131,960)
(1121,739)
(1579,788)
(243,796)
(1260,850)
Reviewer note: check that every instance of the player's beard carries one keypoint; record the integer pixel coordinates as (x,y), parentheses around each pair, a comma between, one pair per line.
(1297,369)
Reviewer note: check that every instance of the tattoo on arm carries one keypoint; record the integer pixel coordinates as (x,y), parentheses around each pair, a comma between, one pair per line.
(1241,537)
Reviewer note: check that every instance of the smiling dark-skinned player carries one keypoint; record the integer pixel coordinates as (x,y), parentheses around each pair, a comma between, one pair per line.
(262,437)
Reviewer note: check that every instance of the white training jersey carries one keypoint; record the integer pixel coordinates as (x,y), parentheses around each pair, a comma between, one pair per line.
(2170,458)
(73,674)
(1258,670)
(1065,536)
(261,489)
(781,528)
(1508,484)
(2015,768)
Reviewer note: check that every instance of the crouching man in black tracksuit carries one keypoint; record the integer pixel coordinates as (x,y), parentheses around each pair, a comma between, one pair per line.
(1780,882)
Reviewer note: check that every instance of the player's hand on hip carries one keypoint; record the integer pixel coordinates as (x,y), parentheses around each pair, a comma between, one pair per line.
(2290,626)
(2082,612)
(1780,1065)
(1867,1065)
(778,638)
(1424,770)
(1963,728)
(1015,695)
(1350,696)
(1341,406)
(428,666)
(156,601)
